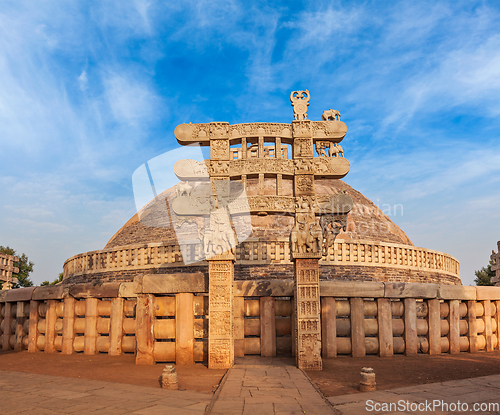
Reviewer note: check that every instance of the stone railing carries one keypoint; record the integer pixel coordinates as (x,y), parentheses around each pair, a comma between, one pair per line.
(256,251)
(163,318)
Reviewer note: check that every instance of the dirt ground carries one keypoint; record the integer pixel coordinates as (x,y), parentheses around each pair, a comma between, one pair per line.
(341,376)
(120,369)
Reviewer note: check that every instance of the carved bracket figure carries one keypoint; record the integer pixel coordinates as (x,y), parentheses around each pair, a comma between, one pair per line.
(334,149)
(331,115)
(306,237)
(183,189)
(300,102)
(331,226)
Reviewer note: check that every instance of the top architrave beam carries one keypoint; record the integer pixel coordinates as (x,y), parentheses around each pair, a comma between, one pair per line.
(333,131)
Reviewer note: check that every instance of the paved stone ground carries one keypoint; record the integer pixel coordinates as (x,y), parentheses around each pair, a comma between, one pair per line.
(482,391)
(34,394)
(255,385)
(268,386)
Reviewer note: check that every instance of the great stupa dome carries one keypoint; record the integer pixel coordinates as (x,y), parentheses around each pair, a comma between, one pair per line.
(374,248)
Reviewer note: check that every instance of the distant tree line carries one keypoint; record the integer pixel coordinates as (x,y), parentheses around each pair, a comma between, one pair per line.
(483,276)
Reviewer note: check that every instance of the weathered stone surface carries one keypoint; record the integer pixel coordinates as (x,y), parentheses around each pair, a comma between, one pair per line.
(487,293)
(307,315)
(127,290)
(95,290)
(270,288)
(174,283)
(50,292)
(456,292)
(351,289)
(20,294)
(403,290)
(3,295)
(221,330)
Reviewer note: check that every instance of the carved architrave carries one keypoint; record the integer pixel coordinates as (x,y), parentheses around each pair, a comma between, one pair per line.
(256,129)
(220,332)
(330,167)
(333,130)
(301,129)
(307,315)
(219,130)
(187,169)
(261,165)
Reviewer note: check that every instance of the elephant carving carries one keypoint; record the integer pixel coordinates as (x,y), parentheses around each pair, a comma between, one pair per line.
(331,115)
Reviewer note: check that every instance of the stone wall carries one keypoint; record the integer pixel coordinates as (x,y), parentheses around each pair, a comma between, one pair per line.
(163,318)
(258,259)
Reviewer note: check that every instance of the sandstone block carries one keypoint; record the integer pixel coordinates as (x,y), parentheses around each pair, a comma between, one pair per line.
(95,290)
(410,290)
(486,293)
(456,292)
(351,289)
(126,290)
(51,292)
(175,283)
(269,288)
(19,294)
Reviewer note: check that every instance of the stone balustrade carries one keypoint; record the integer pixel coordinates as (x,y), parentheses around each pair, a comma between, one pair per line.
(163,318)
(254,251)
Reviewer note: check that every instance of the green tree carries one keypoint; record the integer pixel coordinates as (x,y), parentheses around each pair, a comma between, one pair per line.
(25,267)
(56,281)
(483,276)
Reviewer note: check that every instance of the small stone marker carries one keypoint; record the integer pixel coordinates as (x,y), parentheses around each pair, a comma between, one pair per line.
(169,378)
(367,383)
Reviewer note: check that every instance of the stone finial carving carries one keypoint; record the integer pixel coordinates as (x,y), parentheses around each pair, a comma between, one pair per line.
(300,102)
(334,149)
(331,115)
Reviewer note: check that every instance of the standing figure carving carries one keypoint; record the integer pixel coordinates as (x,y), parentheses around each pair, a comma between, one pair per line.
(300,102)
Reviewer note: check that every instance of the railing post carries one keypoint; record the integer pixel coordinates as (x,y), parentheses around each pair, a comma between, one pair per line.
(434,322)
(116,327)
(472,332)
(50,326)
(357,328)
(454,323)
(267,327)
(328,327)
(33,326)
(184,329)
(410,322)
(68,325)
(144,329)
(385,335)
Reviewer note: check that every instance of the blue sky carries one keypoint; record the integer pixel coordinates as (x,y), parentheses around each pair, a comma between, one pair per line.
(89,91)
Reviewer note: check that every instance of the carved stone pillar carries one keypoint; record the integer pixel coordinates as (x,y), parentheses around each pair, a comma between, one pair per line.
(307,312)
(220,309)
